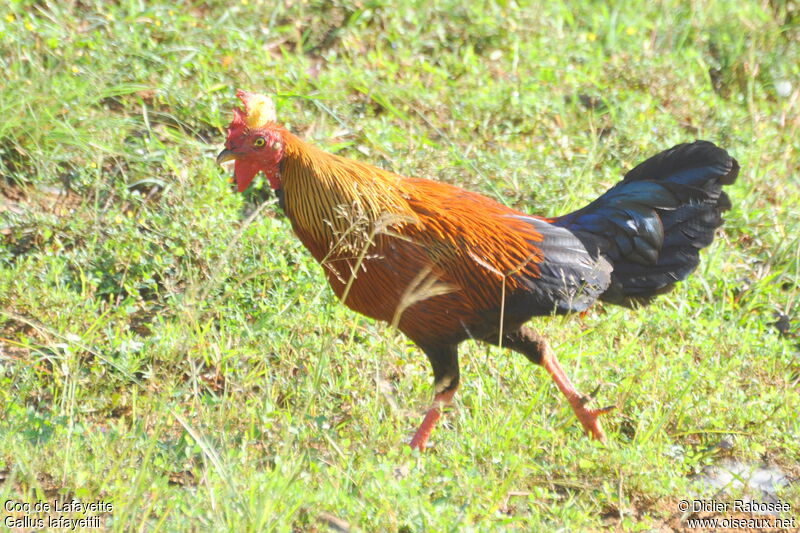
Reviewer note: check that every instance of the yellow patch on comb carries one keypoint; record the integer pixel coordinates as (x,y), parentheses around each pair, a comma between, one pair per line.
(260,109)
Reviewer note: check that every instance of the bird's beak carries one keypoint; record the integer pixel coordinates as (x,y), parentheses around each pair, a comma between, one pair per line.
(225,156)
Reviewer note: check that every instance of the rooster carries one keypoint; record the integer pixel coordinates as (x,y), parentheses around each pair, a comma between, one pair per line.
(443,264)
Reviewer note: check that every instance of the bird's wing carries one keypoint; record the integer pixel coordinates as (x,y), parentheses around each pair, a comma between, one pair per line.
(500,255)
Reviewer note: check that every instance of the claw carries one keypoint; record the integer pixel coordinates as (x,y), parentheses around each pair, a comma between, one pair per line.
(589,397)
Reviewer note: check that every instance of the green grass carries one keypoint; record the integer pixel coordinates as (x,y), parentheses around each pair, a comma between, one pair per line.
(161,351)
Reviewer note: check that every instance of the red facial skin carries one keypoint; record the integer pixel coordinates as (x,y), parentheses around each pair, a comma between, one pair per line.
(254,150)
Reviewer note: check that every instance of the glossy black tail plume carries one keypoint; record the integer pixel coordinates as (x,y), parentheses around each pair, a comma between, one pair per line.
(652,225)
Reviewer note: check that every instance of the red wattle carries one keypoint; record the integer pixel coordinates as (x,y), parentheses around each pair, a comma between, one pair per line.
(244,171)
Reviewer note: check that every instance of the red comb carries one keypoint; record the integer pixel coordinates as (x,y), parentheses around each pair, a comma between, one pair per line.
(239,124)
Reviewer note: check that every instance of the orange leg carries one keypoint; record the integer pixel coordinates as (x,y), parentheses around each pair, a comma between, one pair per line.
(536,348)
(433,415)
(588,417)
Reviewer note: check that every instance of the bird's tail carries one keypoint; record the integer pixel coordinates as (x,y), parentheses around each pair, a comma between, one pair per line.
(653,224)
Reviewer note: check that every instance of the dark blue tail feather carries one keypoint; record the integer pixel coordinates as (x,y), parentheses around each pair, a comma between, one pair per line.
(652,224)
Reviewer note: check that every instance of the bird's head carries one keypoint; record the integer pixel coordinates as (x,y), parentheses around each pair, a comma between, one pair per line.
(254,142)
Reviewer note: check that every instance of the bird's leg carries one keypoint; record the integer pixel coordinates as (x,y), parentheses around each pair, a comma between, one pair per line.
(444,361)
(441,400)
(588,417)
(537,349)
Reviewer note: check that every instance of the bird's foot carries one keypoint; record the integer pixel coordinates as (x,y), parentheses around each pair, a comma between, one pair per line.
(590,419)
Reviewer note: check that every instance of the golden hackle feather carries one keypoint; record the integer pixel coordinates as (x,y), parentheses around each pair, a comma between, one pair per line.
(326,193)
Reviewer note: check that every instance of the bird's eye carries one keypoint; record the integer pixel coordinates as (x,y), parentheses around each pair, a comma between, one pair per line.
(259,142)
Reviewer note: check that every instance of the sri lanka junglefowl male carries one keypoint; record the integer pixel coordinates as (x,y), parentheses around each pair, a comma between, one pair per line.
(444,264)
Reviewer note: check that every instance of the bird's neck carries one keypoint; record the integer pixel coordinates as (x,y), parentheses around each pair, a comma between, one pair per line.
(333,201)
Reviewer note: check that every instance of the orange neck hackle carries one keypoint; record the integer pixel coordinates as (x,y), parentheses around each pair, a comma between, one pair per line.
(331,199)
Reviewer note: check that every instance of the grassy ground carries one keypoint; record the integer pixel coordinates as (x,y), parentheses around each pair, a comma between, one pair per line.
(165,352)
